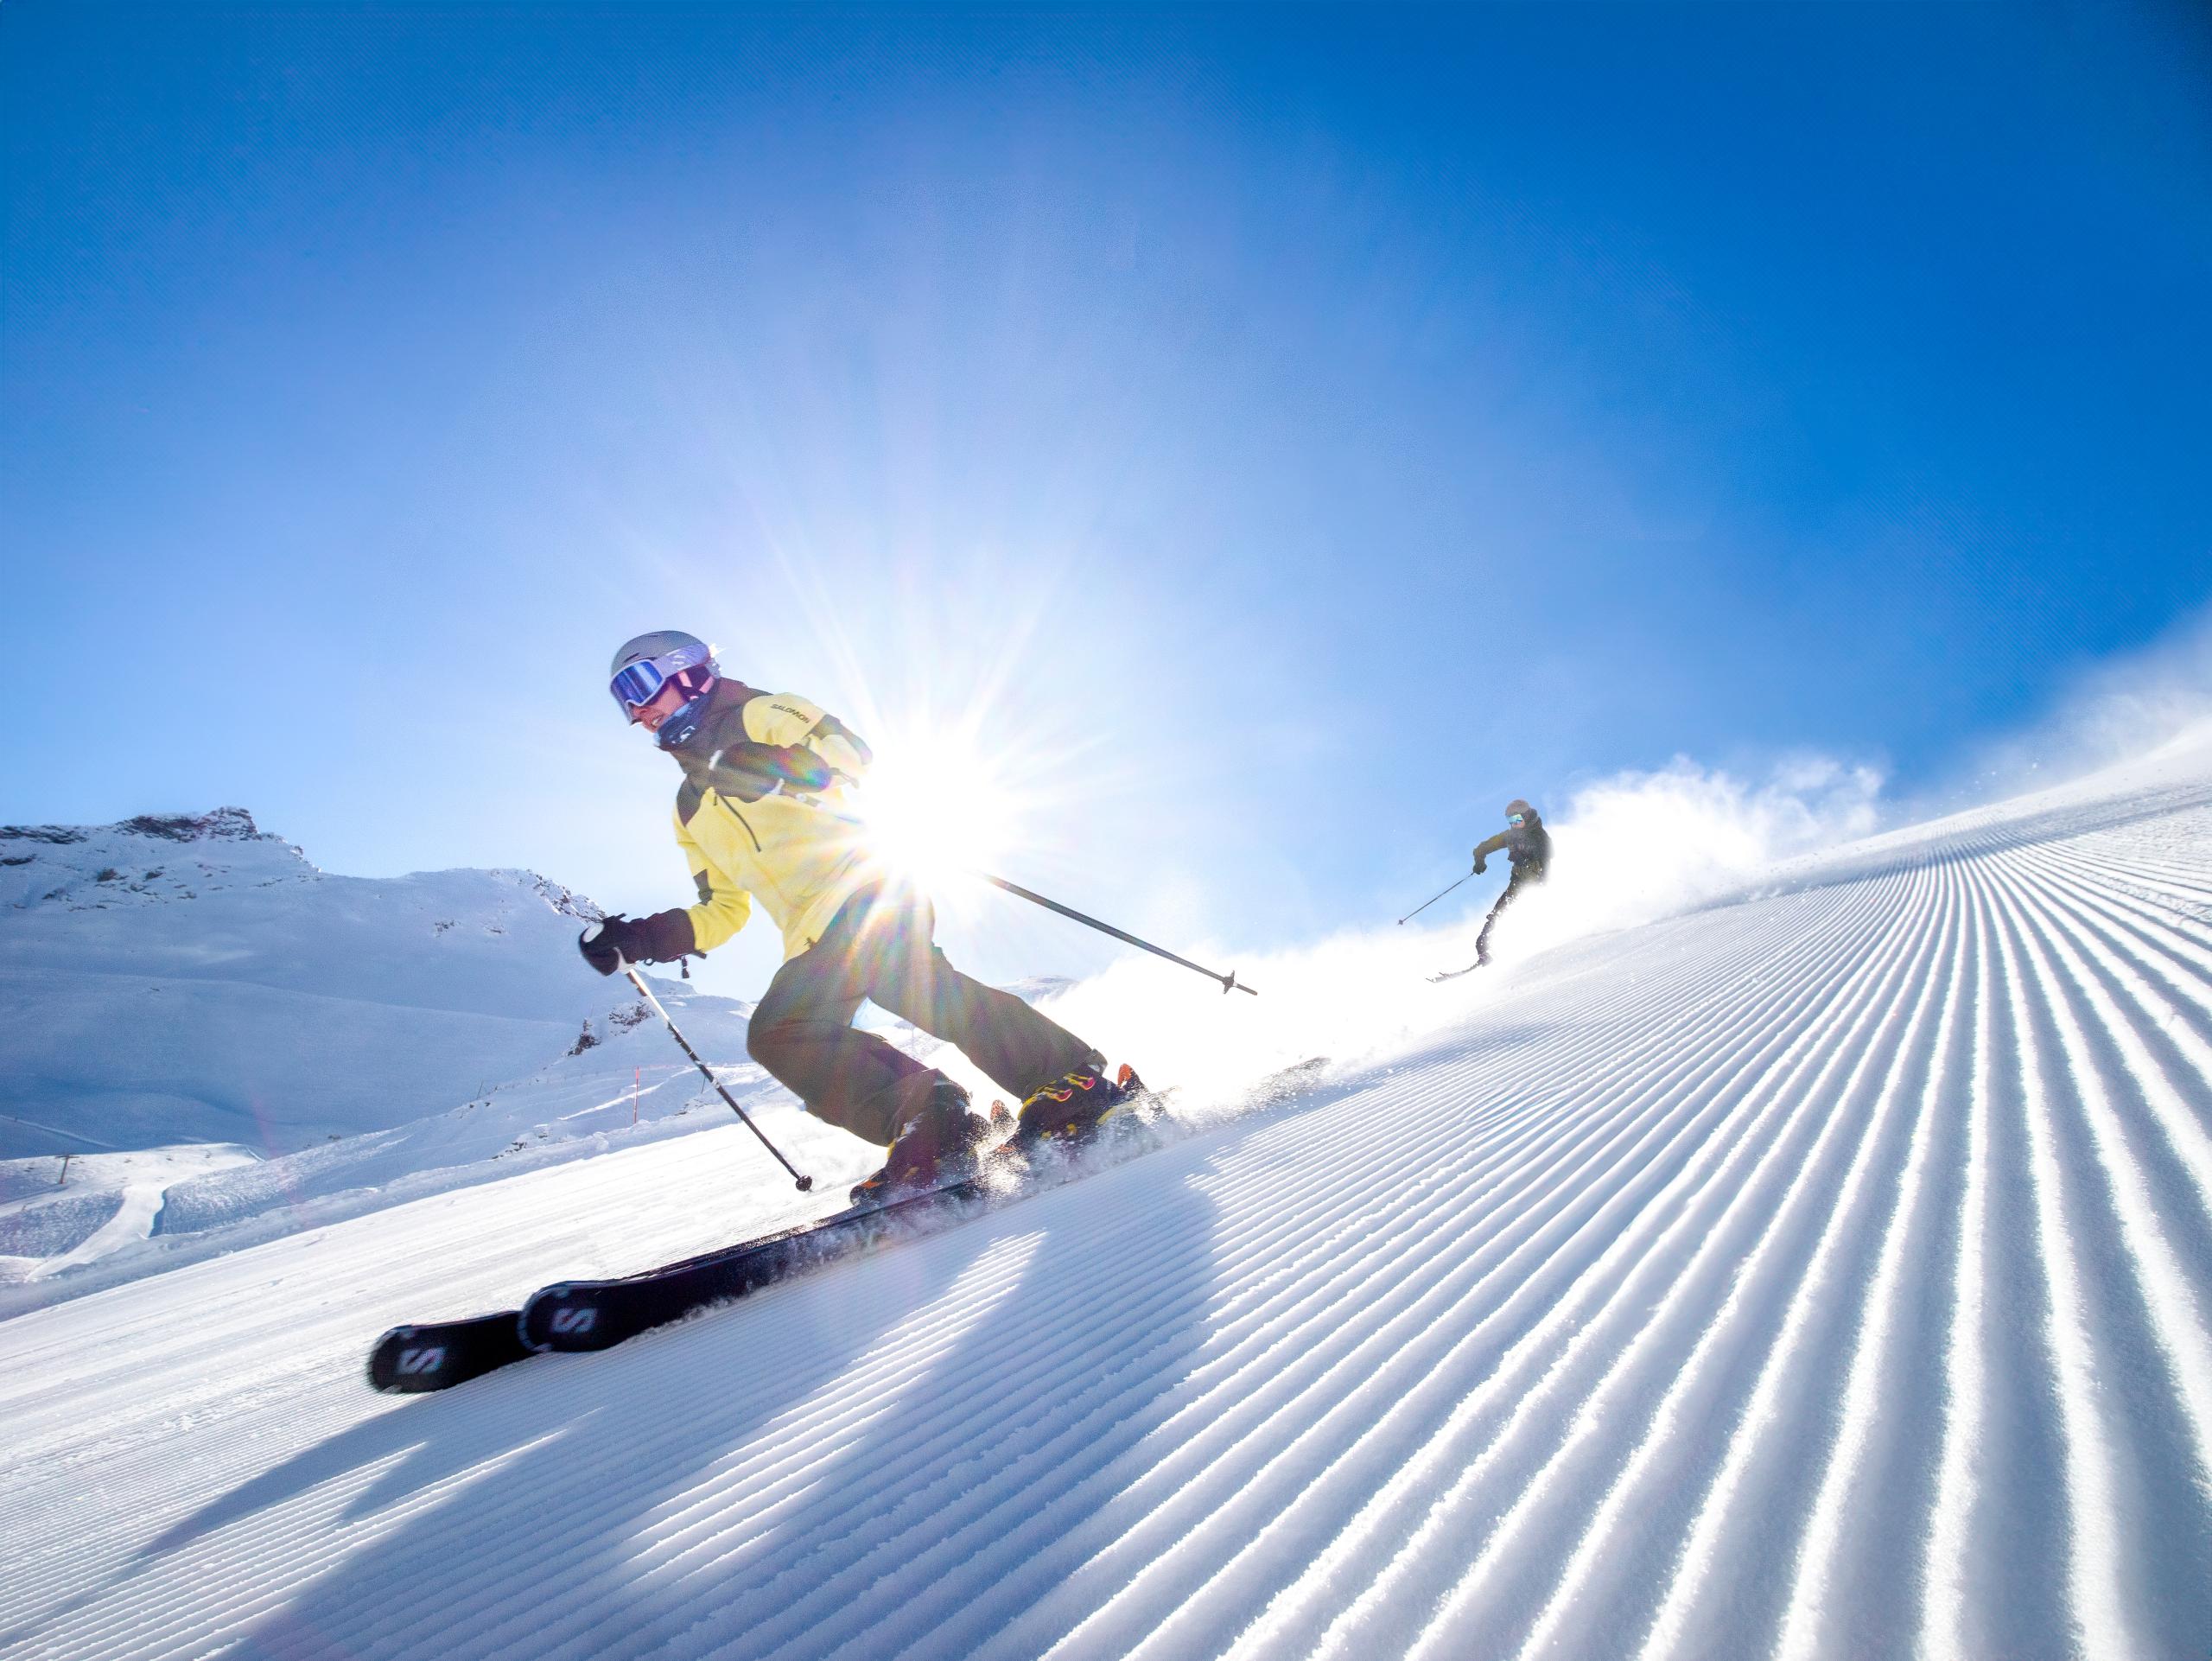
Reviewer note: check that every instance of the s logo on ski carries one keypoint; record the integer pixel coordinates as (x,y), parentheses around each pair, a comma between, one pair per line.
(414,1362)
(573,1320)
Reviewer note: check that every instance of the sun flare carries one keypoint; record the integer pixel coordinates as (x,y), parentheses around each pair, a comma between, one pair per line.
(935,807)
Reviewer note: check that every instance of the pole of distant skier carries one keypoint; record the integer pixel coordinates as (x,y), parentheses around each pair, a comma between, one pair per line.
(1229,982)
(675,1032)
(1431,901)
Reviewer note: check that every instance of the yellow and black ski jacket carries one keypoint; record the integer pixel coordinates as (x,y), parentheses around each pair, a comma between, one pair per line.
(763,815)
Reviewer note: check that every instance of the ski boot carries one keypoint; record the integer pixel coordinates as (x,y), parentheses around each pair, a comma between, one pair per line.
(935,1146)
(1071,1106)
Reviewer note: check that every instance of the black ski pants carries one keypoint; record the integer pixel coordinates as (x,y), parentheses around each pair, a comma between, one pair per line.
(879,947)
(1523,878)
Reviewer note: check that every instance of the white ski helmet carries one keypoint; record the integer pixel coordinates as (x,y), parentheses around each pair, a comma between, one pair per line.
(645,664)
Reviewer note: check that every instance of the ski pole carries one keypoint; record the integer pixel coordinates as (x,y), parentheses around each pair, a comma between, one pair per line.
(1229,982)
(1431,901)
(645,992)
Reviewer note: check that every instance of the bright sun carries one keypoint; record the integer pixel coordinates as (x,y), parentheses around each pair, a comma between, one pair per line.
(935,807)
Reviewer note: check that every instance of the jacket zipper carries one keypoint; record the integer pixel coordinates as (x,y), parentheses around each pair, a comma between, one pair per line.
(740,819)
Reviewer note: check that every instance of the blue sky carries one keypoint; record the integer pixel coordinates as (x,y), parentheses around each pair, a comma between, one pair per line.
(1282,435)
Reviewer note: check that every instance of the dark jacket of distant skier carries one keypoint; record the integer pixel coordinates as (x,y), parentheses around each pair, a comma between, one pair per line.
(1529,845)
(763,815)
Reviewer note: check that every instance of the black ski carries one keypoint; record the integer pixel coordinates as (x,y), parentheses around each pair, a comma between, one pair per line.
(596,1315)
(593,1315)
(442,1353)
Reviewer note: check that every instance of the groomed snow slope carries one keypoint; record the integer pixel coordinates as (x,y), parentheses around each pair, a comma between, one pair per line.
(1825,1274)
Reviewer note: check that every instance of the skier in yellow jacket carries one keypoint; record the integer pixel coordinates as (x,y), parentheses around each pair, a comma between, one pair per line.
(762,816)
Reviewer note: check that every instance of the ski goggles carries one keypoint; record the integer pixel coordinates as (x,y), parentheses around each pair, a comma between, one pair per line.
(1516,819)
(640,682)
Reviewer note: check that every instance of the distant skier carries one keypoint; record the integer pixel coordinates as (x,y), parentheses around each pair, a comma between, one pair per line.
(1529,845)
(762,815)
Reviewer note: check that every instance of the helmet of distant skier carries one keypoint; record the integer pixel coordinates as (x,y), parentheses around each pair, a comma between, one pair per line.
(645,665)
(1517,810)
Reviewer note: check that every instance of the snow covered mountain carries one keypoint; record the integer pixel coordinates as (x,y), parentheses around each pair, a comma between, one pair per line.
(229,1045)
(191,978)
(1826,1271)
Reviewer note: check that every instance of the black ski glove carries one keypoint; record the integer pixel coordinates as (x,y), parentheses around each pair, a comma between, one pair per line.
(662,938)
(1480,864)
(609,943)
